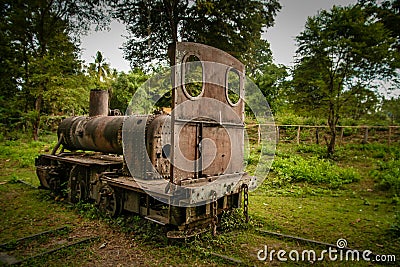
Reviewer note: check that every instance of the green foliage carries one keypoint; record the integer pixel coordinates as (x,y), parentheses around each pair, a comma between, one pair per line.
(388,175)
(233,85)
(388,12)
(285,209)
(395,227)
(124,87)
(312,170)
(69,96)
(232,26)
(193,76)
(340,54)
(21,152)
(43,71)
(143,229)
(49,124)
(14,179)
(391,109)
(234,220)
(360,102)
(100,72)
(268,77)
(287,116)
(289,119)
(315,149)
(88,210)
(131,224)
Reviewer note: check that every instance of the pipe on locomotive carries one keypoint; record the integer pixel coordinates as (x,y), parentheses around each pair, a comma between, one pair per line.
(98,132)
(98,103)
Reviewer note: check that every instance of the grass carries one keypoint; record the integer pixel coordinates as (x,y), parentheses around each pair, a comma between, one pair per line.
(26,211)
(312,170)
(18,157)
(304,195)
(387,175)
(306,205)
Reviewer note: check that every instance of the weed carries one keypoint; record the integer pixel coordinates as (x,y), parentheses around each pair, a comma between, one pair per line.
(234,220)
(142,229)
(312,170)
(388,175)
(127,223)
(285,203)
(314,149)
(395,227)
(88,210)
(14,179)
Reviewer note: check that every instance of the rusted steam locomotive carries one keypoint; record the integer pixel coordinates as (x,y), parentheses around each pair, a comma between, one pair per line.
(180,169)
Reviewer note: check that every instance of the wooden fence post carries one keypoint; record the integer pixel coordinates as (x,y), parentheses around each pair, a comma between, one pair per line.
(365,141)
(341,135)
(277,134)
(364,136)
(298,135)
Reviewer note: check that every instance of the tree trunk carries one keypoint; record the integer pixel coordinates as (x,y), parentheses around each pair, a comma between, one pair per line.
(170,8)
(332,122)
(36,122)
(332,141)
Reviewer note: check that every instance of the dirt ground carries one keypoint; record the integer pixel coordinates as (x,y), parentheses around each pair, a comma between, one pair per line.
(24,214)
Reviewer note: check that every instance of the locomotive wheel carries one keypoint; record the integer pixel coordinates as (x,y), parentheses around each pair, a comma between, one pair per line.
(76,185)
(54,185)
(80,191)
(109,201)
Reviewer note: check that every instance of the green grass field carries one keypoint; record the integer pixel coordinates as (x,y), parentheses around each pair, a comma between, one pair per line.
(355,196)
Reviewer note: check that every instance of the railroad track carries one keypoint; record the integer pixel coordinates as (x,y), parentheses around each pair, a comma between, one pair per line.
(8,253)
(31,247)
(238,262)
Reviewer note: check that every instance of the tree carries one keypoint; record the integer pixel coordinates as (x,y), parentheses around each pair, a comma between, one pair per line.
(340,50)
(391,108)
(233,26)
(388,12)
(41,36)
(100,67)
(360,102)
(268,77)
(124,87)
(100,71)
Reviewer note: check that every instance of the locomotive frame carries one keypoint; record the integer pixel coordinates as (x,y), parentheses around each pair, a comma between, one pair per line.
(97,167)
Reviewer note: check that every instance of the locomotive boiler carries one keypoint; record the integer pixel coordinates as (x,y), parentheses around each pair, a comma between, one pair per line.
(181,169)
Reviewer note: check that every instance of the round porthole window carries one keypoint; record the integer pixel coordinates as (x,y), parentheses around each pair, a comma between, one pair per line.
(233,86)
(192,76)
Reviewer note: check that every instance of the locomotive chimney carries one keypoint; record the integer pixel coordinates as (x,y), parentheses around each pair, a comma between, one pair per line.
(98,105)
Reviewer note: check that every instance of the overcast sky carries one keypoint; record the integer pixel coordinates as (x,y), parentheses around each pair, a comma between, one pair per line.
(288,24)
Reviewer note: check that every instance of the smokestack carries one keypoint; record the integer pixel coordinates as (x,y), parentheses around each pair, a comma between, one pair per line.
(98,105)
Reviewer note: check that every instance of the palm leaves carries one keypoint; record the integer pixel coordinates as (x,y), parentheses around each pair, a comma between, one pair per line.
(99,69)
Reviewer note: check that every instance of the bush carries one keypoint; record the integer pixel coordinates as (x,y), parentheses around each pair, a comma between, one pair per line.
(388,175)
(233,220)
(314,121)
(313,170)
(395,227)
(349,131)
(289,119)
(313,148)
